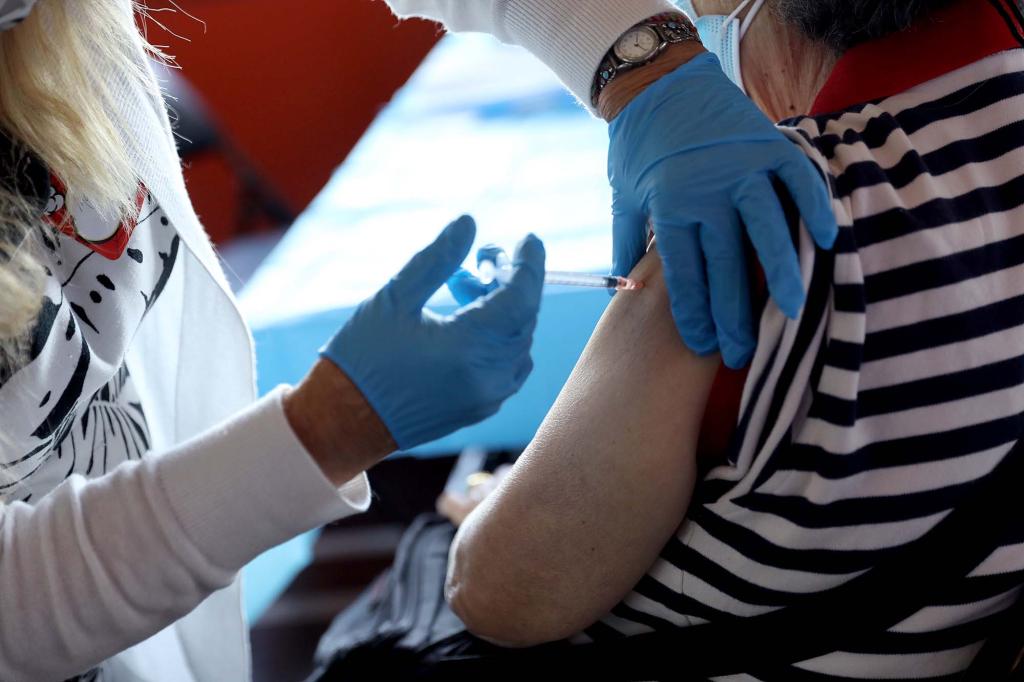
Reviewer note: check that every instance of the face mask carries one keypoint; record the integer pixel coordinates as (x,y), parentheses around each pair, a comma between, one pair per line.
(722,34)
(13,11)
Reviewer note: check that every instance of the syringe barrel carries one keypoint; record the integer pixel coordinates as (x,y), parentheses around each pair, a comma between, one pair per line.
(502,273)
(580,279)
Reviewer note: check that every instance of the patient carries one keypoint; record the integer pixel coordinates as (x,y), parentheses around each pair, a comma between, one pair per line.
(605,527)
(780,92)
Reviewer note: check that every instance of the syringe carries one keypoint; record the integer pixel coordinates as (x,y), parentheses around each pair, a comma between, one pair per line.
(585,279)
(502,272)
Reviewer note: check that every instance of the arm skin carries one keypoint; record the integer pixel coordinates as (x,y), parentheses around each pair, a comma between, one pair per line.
(621,91)
(335,423)
(603,485)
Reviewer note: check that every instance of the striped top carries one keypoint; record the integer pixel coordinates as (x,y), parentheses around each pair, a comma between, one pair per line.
(865,421)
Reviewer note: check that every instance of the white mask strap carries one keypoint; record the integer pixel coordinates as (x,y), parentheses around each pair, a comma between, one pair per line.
(736,12)
(751,15)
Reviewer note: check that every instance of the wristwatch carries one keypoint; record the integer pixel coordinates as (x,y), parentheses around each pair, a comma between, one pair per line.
(640,45)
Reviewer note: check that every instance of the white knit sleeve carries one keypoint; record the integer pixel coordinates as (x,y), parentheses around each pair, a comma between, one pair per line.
(97,566)
(570,36)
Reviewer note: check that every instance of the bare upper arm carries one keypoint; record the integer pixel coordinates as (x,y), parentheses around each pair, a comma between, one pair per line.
(603,485)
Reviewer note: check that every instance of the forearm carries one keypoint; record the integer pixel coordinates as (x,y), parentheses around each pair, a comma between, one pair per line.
(336,424)
(97,566)
(607,480)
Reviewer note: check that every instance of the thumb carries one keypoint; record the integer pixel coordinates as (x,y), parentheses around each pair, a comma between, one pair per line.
(428,270)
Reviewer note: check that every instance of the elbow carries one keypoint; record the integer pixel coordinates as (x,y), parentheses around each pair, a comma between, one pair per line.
(496,619)
(497,605)
(489,619)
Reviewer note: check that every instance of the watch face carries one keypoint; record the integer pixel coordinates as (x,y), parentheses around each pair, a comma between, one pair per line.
(637,45)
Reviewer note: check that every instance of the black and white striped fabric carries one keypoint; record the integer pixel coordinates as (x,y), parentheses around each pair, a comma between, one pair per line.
(865,421)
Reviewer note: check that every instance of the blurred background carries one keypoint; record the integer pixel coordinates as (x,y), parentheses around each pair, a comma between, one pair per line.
(324,143)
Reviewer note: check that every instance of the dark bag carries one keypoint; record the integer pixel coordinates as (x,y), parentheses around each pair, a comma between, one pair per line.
(402,618)
(403,629)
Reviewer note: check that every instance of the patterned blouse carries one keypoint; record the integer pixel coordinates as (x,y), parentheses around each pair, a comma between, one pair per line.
(72,408)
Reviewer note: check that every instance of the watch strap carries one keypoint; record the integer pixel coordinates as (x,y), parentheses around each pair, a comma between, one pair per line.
(671,27)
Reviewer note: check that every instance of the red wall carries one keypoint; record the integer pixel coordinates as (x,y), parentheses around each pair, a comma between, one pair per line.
(295,83)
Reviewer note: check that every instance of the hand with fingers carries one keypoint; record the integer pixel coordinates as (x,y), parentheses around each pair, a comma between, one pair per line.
(694,156)
(427,375)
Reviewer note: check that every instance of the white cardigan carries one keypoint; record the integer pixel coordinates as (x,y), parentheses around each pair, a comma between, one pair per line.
(569,36)
(139,566)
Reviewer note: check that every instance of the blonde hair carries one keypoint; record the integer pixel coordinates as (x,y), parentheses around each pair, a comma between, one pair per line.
(54,105)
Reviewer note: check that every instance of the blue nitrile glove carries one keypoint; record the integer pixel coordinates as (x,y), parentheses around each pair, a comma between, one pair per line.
(466,287)
(694,154)
(428,375)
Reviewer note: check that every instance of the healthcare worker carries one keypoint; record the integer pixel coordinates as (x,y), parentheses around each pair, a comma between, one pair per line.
(138,472)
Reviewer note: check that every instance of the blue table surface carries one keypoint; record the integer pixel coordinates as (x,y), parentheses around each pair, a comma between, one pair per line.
(481,128)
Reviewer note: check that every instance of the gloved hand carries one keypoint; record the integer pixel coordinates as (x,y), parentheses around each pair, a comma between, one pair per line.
(697,157)
(427,375)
